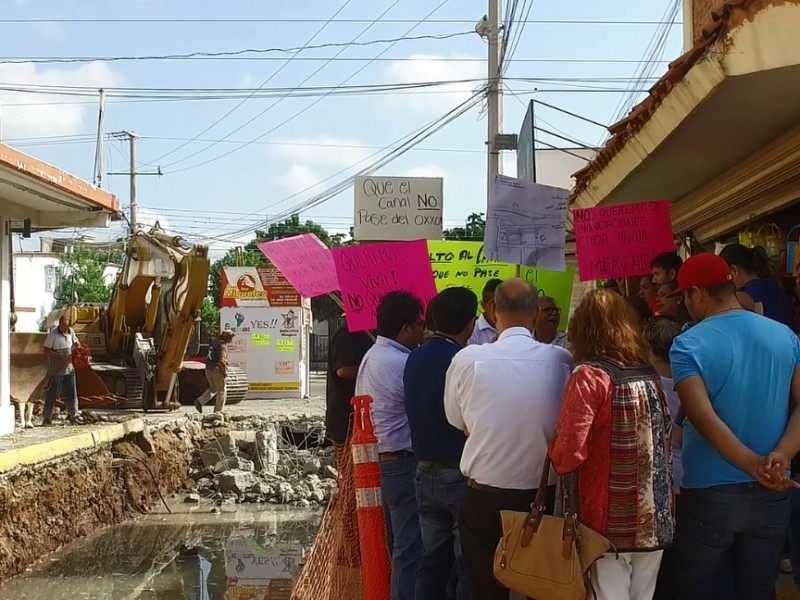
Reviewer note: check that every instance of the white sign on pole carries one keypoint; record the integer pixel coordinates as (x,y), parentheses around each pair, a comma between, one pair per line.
(398,208)
(526,223)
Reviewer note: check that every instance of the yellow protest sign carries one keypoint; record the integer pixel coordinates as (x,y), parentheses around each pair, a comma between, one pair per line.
(284,345)
(260,339)
(463,264)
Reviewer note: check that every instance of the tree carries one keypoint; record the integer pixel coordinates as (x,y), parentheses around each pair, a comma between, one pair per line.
(472,231)
(323,307)
(82,270)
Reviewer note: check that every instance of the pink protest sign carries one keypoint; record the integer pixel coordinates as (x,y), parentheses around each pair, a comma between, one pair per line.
(621,240)
(367,273)
(305,261)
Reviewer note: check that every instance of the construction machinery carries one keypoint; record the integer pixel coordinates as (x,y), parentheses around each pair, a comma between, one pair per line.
(138,342)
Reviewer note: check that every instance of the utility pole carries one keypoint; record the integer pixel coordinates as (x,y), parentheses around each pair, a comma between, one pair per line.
(494,98)
(98,152)
(132,173)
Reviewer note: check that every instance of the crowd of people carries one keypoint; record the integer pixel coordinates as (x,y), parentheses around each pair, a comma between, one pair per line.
(667,412)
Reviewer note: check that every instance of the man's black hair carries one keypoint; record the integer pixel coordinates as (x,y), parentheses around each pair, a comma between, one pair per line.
(430,314)
(669,261)
(453,309)
(660,332)
(395,310)
(490,288)
(723,291)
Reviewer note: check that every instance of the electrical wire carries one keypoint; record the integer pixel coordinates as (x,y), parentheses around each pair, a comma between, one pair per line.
(300,112)
(336,21)
(265,82)
(226,54)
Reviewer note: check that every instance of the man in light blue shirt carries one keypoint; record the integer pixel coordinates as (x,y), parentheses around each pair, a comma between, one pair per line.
(735,372)
(400,329)
(485,330)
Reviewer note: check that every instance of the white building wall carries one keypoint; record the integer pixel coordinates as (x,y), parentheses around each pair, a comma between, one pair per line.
(6,410)
(36,279)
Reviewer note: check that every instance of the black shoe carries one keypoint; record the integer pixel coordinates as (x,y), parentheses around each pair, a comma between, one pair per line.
(47,423)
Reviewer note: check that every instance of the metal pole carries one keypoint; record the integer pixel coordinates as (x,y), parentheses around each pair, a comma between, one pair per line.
(132,142)
(688,25)
(98,154)
(494,100)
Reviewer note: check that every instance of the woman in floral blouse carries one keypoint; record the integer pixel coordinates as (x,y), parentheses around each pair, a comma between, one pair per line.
(614,436)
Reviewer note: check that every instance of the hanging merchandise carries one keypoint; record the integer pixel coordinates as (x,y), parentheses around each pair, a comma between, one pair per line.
(792,251)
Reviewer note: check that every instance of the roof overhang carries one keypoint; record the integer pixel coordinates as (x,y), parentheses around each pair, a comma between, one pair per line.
(49,197)
(739,97)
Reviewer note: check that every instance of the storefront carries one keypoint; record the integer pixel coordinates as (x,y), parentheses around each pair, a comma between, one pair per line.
(36,196)
(719,134)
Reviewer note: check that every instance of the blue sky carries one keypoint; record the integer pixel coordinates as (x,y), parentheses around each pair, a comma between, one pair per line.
(249,184)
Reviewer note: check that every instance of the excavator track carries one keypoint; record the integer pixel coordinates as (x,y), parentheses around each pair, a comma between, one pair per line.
(193,383)
(123,382)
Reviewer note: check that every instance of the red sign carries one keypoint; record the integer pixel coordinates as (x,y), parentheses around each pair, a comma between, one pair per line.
(621,240)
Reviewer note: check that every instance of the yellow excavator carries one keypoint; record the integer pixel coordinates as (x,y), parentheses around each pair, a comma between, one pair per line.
(138,342)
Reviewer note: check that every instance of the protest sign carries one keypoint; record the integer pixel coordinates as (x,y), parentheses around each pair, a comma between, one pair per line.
(525,223)
(398,208)
(464,264)
(305,261)
(621,240)
(367,273)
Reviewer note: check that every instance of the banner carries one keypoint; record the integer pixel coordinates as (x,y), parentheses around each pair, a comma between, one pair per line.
(367,273)
(464,264)
(305,261)
(525,223)
(256,286)
(398,208)
(621,240)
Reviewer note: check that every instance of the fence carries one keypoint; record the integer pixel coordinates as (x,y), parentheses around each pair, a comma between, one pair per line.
(319,352)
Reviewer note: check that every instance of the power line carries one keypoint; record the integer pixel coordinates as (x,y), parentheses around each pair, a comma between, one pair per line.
(335,21)
(297,114)
(228,54)
(572,114)
(265,82)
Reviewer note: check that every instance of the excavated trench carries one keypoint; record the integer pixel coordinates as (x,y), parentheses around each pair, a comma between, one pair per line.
(210,461)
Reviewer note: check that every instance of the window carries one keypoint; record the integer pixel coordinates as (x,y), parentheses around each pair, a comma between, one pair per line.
(52,278)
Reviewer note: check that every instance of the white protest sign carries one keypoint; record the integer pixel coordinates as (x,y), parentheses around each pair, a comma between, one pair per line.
(525,223)
(398,208)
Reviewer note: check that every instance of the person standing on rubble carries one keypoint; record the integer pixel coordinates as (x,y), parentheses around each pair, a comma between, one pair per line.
(216,373)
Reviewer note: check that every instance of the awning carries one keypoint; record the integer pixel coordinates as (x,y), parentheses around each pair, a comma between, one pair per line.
(717,128)
(49,197)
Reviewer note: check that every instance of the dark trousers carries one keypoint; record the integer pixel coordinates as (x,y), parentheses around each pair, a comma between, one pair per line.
(439,495)
(667,582)
(794,534)
(729,540)
(481,530)
(57,386)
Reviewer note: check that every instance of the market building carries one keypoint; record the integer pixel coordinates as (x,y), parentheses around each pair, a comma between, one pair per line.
(719,133)
(35,196)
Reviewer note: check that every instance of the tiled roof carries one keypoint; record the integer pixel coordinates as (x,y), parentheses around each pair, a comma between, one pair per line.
(628,127)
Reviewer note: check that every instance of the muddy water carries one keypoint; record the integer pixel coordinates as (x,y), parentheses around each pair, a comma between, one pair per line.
(252,554)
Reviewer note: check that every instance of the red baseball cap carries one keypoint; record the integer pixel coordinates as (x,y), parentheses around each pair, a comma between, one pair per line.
(703,270)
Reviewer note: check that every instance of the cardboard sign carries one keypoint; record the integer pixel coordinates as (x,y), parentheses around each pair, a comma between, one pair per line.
(525,223)
(463,264)
(305,261)
(398,208)
(367,273)
(621,240)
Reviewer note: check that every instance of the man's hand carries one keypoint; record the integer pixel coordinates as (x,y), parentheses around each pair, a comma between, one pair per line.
(771,472)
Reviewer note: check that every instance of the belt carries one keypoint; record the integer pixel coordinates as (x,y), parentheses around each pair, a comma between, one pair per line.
(471,483)
(432,464)
(385,457)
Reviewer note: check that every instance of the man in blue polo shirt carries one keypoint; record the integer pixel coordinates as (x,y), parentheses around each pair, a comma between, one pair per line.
(735,372)
(438,445)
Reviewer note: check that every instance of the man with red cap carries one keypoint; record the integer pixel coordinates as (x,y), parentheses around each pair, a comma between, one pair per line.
(734,372)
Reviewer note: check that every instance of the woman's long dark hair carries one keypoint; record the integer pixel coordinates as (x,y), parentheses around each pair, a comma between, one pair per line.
(753,261)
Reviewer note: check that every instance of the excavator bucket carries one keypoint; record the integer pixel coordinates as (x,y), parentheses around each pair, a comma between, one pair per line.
(89,383)
(28,366)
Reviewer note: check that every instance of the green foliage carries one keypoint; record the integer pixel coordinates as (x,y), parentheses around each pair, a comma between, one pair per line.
(472,231)
(82,267)
(209,320)
(250,256)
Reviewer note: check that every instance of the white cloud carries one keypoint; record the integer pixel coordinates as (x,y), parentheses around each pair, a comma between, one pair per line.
(429,68)
(313,159)
(30,115)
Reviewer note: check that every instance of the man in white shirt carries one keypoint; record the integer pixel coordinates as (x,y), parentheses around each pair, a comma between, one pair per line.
(485,330)
(59,346)
(506,397)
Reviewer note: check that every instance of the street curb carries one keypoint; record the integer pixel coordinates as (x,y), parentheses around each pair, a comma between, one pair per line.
(36,453)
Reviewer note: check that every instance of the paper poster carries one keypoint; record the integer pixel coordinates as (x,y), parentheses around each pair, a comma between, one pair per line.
(525,223)
(305,261)
(256,286)
(398,208)
(265,336)
(463,264)
(367,273)
(621,240)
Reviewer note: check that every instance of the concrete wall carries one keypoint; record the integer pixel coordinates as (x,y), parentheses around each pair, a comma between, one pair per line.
(36,277)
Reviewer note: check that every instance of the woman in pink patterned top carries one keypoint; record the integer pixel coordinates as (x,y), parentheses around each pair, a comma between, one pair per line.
(614,436)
